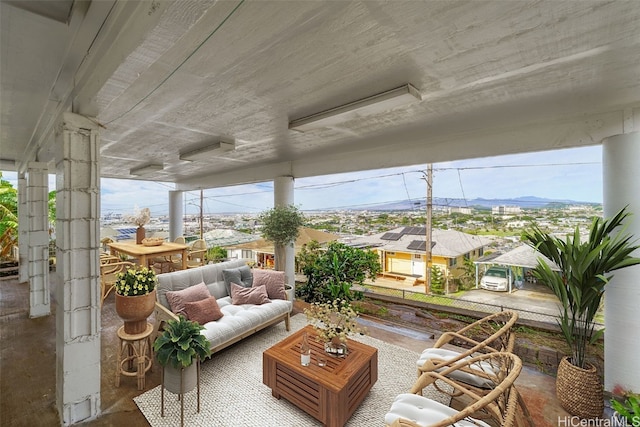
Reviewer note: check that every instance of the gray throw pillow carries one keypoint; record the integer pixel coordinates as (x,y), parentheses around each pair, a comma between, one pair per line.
(240,276)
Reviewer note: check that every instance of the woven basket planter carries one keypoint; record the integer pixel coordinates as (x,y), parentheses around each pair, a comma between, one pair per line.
(579,390)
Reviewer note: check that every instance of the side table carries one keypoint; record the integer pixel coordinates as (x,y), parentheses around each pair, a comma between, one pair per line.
(135,356)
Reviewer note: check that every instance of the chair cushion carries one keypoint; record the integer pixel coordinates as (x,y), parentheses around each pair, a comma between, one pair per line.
(241,295)
(240,276)
(272,280)
(203,311)
(464,377)
(177,299)
(424,411)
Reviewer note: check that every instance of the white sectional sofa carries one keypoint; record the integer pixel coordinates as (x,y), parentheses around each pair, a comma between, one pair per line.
(237,322)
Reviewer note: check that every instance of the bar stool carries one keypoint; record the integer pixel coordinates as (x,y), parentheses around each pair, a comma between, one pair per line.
(136,352)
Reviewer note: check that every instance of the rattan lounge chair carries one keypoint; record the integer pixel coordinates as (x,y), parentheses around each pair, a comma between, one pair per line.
(497,407)
(492,333)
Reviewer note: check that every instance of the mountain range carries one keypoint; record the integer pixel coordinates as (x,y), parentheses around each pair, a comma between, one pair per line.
(524,202)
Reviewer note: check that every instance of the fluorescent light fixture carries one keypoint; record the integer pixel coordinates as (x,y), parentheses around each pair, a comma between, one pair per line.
(145,170)
(207,150)
(375,104)
(7,165)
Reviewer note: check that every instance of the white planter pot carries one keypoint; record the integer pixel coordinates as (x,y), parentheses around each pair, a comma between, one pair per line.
(172,378)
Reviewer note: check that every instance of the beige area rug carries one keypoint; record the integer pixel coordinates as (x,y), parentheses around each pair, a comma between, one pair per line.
(232,392)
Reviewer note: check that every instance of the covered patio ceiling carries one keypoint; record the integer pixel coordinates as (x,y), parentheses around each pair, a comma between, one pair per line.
(167,77)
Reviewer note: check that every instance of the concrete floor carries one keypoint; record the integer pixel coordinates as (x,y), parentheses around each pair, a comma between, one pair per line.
(27,368)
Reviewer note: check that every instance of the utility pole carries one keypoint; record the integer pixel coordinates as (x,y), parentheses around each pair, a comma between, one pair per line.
(427,265)
(201,214)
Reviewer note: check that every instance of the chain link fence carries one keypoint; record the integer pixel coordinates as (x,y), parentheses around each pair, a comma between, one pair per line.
(548,320)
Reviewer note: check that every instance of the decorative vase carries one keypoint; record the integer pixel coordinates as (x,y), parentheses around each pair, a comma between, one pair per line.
(579,391)
(172,381)
(135,310)
(336,348)
(140,234)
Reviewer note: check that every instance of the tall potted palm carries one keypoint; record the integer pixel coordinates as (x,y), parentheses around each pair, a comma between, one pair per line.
(584,269)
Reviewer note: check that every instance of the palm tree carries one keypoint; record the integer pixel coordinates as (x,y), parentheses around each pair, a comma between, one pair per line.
(8,217)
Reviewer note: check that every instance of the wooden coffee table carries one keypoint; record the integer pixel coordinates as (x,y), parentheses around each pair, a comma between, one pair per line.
(329,393)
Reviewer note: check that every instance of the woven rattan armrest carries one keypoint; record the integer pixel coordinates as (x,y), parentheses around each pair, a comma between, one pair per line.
(162,314)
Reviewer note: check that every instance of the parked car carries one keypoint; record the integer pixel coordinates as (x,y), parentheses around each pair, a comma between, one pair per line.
(497,279)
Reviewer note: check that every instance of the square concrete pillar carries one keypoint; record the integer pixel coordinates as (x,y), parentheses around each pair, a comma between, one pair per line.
(77,253)
(37,178)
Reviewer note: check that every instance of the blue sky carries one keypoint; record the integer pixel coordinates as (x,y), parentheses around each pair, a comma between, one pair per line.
(574,174)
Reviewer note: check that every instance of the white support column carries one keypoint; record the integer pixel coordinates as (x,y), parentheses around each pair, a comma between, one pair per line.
(77,250)
(621,183)
(283,196)
(23,230)
(176,210)
(38,233)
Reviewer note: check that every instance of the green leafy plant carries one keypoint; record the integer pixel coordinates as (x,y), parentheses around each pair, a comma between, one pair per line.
(437,280)
(281,224)
(180,343)
(584,268)
(332,272)
(8,217)
(136,281)
(216,254)
(627,405)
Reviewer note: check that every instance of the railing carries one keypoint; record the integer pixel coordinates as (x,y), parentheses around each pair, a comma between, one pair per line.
(460,305)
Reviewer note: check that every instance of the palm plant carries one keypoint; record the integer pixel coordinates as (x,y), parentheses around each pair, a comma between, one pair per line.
(584,268)
(8,217)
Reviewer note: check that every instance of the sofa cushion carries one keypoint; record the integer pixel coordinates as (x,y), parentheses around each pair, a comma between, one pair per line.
(240,276)
(203,311)
(241,295)
(272,280)
(177,299)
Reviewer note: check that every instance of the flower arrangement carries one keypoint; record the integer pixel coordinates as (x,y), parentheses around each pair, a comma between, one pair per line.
(140,217)
(136,281)
(333,321)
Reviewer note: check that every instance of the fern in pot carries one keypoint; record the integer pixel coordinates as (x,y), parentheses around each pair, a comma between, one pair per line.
(177,348)
(584,269)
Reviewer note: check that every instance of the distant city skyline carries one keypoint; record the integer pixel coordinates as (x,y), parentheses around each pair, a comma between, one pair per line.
(573,174)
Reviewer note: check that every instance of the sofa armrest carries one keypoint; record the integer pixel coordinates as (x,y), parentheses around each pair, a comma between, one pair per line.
(162,314)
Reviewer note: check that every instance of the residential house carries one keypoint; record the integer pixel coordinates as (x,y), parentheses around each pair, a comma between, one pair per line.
(262,251)
(403,250)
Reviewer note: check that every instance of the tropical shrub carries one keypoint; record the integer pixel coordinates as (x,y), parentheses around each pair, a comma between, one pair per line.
(332,272)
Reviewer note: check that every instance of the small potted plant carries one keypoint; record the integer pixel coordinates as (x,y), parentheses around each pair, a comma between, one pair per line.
(626,406)
(135,297)
(334,322)
(177,348)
